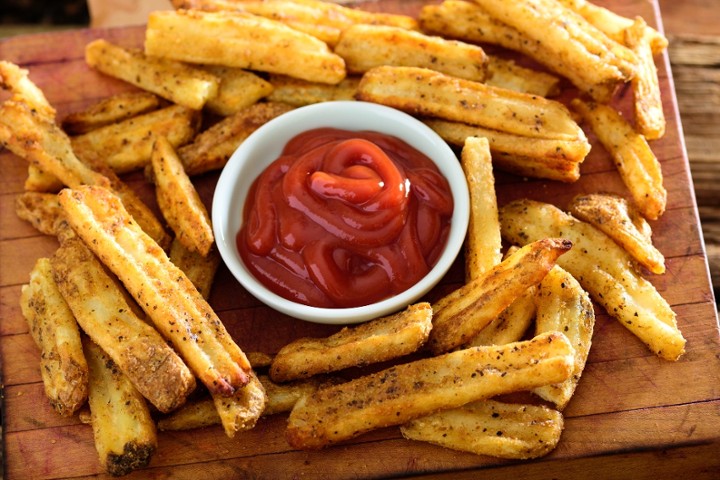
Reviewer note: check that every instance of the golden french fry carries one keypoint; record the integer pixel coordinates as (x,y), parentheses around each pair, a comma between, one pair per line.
(604,269)
(241,410)
(241,40)
(299,92)
(505,73)
(124,432)
(198,268)
(489,427)
(179,313)
(460,315)
(563,306)
(179,201)
(620,221)
(422,91)
(63,368)
(412,390)
(16,80)
(41,210)
(39,181)
(110,110)
(372,342)
(639,168)
(238,90)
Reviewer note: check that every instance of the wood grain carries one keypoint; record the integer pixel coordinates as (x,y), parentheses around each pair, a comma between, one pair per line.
(633,414)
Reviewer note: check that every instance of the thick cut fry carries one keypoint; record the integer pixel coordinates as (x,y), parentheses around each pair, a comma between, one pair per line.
(563,306)
(124,432)
(422,91)
(604,269)
(460,315)
(620,221)
(178,200)
(168,297)
(99,304)
(364,47)
(299,92)
(238,90)
(16,80)
(404,392)
(483,242)
(649,115)
(42,210)
(241,411)
(372,342)
(212,148)
(63,368)
(110,110)
(639,168)
(241,40)
(489,427)
(506,73)
(126,146)
(198,268)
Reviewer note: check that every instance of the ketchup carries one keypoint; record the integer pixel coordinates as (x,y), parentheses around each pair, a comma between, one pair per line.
(343,219)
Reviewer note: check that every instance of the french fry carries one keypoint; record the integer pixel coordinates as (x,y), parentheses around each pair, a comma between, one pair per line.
(404,392)
(563,306)
(198,268)
(460,315)
(179,313)
(364,47)
(649,115)
(110,110)
(238,90)
(566,171)
(505,73)
(41,210)
(211,149)
(489,427)
(124,432)
(127,146)
(425,92)
(39,181)
(241,40)
(16,80)
(604,269)
(635,161)
(241,411)
(179,201)
(620,221)
(100,307)
(259,359)
(299,92)
(63,367)
(382,339)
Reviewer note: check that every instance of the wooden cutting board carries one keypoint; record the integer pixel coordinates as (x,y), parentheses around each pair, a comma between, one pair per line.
(633,414)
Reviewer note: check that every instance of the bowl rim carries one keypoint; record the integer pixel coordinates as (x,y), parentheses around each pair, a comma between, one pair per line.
(301,119)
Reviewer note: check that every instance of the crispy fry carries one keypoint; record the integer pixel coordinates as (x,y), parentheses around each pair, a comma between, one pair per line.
(460,315)
(241,40)
(241,410)
(604,269)
(42,210)
(179,313)
(620,221)
(53,327)
(489,427)
(299,92)
(364,47)
(506,73)
(563,306)
(17,81)
(404,392)
(110,110)
(238,90)
(123,430)
(100,307)
(372,342)
(639,168)
(198,268)
(426,92)
(179,201)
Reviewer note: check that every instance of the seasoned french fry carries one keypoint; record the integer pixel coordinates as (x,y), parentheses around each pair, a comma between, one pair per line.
(241,410)
(124,432)
(16,80)
(566,171)
(179,313)
(42,210)
(604,269)
(238,90)
(489,427)
(404,392)
(372,342)
(211,149)
(241,40)
(179,201)
(198,268)
(100,307)
(563,306)
(299,92)
(126,146)
(460,315)
(63,367)
(39,181)
(426,92)
(196,413)
(259,359)
(639,168)
(620,221)
(110,110)
(649,115)
(505,73)
(364,47)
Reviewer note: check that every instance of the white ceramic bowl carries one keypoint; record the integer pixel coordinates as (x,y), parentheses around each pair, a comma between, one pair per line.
(265,145)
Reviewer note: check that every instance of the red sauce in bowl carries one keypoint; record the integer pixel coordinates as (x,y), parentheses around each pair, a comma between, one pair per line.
(344,219)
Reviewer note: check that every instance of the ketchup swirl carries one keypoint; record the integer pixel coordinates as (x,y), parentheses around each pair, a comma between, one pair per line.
(343,219)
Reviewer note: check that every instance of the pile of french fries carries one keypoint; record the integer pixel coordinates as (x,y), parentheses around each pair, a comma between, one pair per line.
(120,311)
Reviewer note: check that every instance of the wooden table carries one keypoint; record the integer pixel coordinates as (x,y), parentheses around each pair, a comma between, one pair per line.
(633,415)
